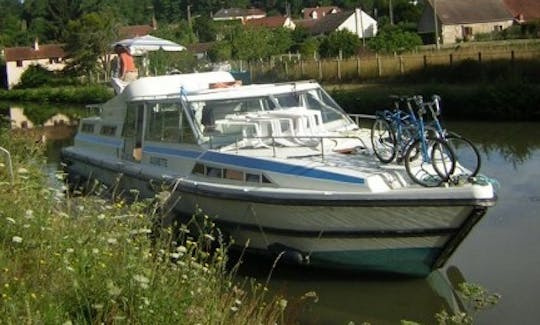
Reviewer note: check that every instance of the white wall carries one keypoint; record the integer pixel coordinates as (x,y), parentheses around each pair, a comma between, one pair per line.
(360,24)
(14,72)
(453,33)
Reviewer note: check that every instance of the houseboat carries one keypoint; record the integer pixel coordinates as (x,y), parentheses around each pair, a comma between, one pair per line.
(278,166)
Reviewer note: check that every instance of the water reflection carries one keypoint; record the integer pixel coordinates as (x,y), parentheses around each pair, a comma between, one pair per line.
(343,298)
(515,142)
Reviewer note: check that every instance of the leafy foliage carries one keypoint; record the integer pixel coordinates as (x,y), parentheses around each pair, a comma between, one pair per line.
(337,42)
(394,39)
(89,42)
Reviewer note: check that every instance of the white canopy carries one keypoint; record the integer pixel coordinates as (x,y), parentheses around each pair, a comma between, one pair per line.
(143,44)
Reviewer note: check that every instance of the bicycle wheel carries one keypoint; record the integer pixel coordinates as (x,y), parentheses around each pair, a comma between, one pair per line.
(383,140)
(430,166)
(468,161)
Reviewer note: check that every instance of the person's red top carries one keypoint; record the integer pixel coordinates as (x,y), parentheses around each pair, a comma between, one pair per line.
(127,63)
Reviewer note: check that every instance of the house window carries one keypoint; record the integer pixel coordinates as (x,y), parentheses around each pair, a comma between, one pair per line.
(498,28)
(467,32)
(19,63)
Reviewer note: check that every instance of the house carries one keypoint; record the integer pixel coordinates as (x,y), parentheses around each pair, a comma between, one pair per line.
(356,21)
(137,30)
(238,14)
(524,11)
(18,59)
(272,22)
(459,20)
(319,12)
(200,50)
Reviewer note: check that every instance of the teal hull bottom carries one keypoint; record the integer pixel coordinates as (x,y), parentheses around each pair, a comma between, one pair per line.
(407,261)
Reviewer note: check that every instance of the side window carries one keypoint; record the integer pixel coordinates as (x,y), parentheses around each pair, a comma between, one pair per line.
(186,131)
(130,123)
(163,122)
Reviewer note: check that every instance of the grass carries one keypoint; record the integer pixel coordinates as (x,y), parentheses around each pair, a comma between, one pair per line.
(84,259)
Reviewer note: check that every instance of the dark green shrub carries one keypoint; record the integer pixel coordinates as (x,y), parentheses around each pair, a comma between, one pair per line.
(35,76)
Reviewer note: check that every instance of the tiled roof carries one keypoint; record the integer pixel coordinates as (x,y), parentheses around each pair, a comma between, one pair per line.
(326,24)
(321,11)
(528,9)
(46,51)
(238,12)
(134,31)
(200,47)
(468,11)
(272,22)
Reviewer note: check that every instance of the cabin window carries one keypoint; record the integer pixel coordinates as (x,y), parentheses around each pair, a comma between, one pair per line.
(108,130)
(19,63)
(229,173)
(87,128)
(132,116)
(498,28)
(214,172)
(234,174)
(198,169)
(253,178)
(186,130)
(163,122)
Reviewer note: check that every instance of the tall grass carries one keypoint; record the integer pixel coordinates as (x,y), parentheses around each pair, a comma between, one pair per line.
(84,259)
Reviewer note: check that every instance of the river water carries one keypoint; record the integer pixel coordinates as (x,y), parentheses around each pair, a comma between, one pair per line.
(502,253)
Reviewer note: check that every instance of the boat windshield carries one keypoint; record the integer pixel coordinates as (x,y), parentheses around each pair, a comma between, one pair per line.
(304,112)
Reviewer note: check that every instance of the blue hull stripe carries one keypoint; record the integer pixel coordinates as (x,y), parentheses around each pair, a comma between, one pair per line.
(172,152)
(254,163)
(278,167)
(99,140)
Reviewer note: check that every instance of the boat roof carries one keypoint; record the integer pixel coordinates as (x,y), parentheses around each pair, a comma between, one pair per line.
(196,87)
(256,90)
(169,86)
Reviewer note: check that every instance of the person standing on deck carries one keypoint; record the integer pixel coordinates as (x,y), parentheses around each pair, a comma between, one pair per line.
(128,71)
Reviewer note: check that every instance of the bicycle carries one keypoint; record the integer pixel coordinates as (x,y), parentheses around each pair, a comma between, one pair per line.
(392,131)
(467,155)
(429,160)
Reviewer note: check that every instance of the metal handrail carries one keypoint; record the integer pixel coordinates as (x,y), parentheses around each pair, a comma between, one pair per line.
(273,144)
(9,163)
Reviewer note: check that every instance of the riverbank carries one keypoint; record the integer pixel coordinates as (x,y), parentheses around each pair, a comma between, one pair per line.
(481,101)
(499,100)
(82,259)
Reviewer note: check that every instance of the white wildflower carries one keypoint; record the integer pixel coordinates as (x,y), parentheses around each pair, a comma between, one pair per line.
(70,250)
(22,170)
(17,239)
(11,220)
(210,237)
(112,241)
(143,281)
(29,214)
(238,301)
(101,216)
(113,289)
(95,250)
(181,249)
(234,309)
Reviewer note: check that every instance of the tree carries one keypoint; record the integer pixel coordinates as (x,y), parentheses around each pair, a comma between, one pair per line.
(250,43)
(89,42)
(220,51)
(340,41)
(391,39)
(205,28)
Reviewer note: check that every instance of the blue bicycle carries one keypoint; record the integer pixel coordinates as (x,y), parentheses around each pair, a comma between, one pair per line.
(429,160)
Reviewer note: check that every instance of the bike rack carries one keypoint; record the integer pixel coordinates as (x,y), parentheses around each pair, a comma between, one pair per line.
(9,164)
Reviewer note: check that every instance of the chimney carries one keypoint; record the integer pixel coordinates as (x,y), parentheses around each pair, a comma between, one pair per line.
(154,22)
(36,44)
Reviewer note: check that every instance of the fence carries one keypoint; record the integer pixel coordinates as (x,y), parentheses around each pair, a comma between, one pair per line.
(363,68)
